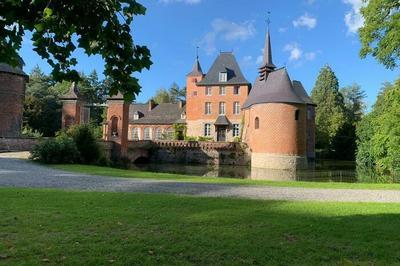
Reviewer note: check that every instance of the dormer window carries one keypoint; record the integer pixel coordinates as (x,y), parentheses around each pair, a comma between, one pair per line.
(223,76)
(135,116)
(183,115)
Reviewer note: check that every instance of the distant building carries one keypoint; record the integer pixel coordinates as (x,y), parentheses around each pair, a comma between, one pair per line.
(12,94)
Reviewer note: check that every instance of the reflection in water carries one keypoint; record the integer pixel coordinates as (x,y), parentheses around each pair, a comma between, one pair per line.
(321,171)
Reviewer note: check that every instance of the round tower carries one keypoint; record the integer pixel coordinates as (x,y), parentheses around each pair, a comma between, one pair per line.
(275,117)
(12,93)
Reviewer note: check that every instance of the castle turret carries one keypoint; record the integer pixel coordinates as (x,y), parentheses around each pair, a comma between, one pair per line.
(275,118)
(12,93)
(71,107)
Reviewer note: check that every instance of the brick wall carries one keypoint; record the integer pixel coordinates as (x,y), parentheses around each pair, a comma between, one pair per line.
(12,93)
(17,144)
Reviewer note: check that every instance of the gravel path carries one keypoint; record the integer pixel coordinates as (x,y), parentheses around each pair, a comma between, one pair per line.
(24,174)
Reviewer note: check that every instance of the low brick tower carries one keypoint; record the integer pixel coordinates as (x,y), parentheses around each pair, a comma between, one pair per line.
(276,118)
(71,107)
(12,94)
(116,126)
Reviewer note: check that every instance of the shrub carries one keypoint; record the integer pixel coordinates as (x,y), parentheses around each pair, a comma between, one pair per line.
(205,138)
(28,132)
(85,140)
(59,150)
(190,138)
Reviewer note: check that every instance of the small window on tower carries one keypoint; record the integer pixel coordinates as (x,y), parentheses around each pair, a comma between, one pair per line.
(297,115)
(257,123)
(223,76)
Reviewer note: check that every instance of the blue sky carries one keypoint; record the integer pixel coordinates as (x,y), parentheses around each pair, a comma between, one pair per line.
(306,35)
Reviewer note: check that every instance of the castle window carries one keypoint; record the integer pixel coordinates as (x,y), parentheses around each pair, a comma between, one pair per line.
(297,115)
(309,114)
(114,126)
(223,76)
(221,108)
(236,90)
(222,90)
(207,130)
(135,133)
(136,116)
(159,133)
(208,91)
(207,110)
(235,130)
(170,133)
(257,123)
(236,108)
(194,93)
(147,133)
(183,115)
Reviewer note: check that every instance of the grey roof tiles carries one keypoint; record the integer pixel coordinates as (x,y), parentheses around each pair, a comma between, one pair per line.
(161,114)
(225,62)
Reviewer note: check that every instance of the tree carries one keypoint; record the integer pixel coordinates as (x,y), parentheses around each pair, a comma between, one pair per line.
(378,133)
(162,96)
(42,110)
(177,94)
(60,27)
(330,111)
(354,103)
(380,35)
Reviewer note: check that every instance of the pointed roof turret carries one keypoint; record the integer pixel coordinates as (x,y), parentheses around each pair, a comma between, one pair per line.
(72,94)
(196,71)
(268,52)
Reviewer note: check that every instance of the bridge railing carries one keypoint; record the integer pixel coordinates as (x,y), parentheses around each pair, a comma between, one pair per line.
(203,145)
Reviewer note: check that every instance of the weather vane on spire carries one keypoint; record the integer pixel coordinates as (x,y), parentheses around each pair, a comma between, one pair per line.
(268,18)
(197,52)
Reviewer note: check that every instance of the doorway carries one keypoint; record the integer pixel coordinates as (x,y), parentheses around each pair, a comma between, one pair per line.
(221,133)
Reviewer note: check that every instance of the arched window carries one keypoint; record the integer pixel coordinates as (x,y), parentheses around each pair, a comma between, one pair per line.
(114,126)
(135,133)
(159,133)
(297,115)
(147,133)
(257,123)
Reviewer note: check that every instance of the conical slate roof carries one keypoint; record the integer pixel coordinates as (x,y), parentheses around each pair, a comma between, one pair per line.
(196,71)
(12,70)
(225,62)
(301,92)
(277,88)
(267,58)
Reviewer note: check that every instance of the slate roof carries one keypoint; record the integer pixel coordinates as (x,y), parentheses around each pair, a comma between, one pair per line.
(225,62)
(13,70)
(222,120)
(196,71)
(301,92)
(277,88)
(118,97)
(161,114)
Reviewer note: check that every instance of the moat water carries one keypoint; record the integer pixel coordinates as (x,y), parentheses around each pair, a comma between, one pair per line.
(319,171)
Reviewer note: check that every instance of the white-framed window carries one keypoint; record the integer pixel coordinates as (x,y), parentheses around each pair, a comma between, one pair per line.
(222,90)
(183,115)
(235,130)
(221,108)
(135,133)
(207,109)
(136,116)
(147,133)
(207,130)
(223,76)
(208,91)
(236,108)
(170,133)
(236,90)
(159,133)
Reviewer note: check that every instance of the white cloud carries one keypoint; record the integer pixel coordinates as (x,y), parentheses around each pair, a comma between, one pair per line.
(227,31)
(305,21)
(353,18)
(190,2)
(310,56)
(294,50)
(282,29)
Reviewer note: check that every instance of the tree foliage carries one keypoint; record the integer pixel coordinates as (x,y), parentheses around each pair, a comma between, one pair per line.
(61,27)
(378,133)
(173,95)
(330,111)
(380,35)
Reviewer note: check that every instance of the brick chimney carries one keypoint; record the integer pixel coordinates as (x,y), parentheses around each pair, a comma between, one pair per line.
(152,104)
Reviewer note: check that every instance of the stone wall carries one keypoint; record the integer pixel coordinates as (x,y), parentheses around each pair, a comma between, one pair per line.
(188,152)
(17,144)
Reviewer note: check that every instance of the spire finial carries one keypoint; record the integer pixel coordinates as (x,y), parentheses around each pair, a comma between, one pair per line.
(268,20)
(197,52)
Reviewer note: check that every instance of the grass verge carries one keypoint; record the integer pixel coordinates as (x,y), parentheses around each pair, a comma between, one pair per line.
(80,228)
(115,172)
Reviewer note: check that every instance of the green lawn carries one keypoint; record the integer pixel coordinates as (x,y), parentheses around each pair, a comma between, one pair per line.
(115,172)
(77,228)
